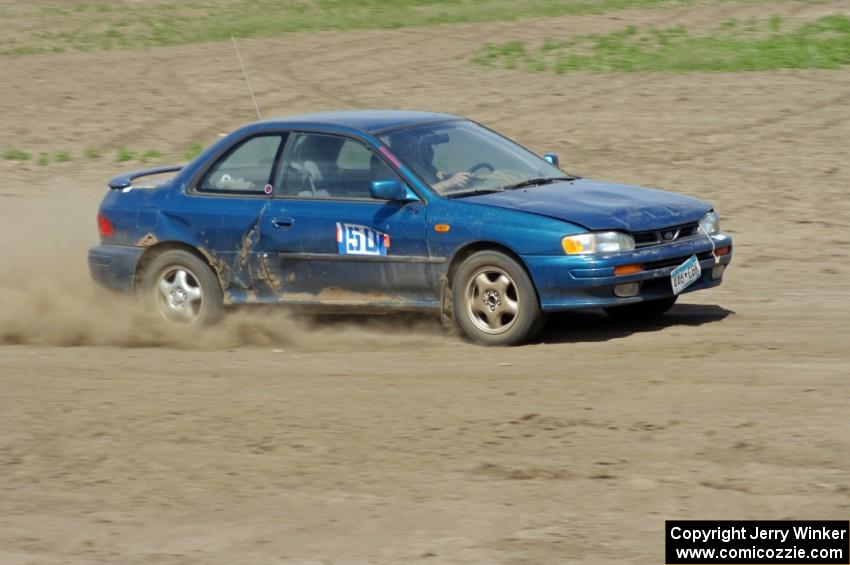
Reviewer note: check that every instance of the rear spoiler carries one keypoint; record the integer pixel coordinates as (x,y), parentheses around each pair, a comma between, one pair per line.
(126,180)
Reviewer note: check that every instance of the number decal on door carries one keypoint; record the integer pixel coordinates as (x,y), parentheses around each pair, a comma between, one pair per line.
(354,239)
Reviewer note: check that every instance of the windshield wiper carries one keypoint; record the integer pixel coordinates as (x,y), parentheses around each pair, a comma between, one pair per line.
(472,192)
(523,184)
(536,182)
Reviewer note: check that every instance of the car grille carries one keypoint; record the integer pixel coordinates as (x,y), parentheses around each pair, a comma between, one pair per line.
(665,235)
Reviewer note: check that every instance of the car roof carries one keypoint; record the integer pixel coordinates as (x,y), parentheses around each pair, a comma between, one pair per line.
(371,121)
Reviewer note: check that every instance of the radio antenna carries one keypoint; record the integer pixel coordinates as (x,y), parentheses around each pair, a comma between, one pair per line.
(245,74)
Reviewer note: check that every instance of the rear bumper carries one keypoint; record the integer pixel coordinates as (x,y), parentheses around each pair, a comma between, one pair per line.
(114,266)
(574,282)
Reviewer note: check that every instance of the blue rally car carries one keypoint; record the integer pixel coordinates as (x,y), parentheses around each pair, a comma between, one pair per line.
(390,210)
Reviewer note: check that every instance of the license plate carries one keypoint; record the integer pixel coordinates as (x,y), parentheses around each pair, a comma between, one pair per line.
(685,274)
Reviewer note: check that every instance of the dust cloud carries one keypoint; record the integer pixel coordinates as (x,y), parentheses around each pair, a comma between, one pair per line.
(48,298)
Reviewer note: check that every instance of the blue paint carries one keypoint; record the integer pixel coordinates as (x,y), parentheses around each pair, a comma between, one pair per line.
(125,180)
(271,248)
(570,282)
(599,205)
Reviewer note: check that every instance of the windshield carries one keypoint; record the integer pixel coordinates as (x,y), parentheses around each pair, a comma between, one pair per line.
(462,157)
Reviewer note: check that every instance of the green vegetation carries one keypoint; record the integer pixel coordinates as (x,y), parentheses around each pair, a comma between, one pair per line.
(193,151)
(123,154)
(150,155)
(732,46)
(62,157)
(91,153)
(15,154)
(90,26)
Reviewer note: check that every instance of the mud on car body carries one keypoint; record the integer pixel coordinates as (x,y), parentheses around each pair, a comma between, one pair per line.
(388,210)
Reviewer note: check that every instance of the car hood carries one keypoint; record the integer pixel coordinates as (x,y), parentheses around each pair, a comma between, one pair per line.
(599,205)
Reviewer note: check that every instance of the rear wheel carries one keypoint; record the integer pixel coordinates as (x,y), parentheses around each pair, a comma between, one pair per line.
(182,288)
(494,301)
(638,311)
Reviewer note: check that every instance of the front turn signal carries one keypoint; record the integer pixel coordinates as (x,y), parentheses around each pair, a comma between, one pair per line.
(627,270)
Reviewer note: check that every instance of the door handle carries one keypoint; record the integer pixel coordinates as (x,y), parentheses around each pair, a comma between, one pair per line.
(283,223)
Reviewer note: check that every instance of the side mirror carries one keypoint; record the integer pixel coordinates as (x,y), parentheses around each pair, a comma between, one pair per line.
(552,159)
(390,189)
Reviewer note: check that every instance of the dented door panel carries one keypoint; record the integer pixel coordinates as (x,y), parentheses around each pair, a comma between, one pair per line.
(353,252)
(225,229)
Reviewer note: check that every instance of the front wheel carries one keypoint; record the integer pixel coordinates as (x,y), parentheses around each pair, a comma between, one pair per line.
(639,311)
(494,300)
(182,288)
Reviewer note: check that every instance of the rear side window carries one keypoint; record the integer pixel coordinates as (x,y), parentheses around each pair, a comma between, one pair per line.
(245,169)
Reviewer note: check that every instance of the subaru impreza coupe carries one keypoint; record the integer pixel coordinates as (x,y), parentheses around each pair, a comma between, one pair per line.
(389,211)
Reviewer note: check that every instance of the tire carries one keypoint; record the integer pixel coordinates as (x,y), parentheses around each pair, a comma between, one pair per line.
(640,311)
(494,301)
(193,298)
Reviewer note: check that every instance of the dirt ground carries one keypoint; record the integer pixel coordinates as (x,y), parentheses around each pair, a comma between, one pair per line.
(279,440)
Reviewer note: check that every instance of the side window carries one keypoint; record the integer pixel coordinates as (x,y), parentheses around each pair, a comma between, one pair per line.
(245,169)
(353,156)
(330,167)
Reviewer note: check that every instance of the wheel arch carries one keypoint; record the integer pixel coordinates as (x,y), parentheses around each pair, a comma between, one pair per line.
(464,252)
(161,247)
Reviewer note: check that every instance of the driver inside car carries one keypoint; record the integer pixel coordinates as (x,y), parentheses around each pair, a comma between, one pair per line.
(419,152)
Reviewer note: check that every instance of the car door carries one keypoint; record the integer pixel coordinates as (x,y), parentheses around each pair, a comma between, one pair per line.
(325,240)
(221,210)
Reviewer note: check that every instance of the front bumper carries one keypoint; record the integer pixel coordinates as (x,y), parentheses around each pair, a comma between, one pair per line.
(567,282)
(114,266)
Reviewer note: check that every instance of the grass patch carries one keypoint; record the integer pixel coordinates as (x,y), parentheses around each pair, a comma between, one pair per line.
(95,26)
(123,154)
(193,151)
(91,153)
(732,46)
(62,157)
(15,154)
(151,155)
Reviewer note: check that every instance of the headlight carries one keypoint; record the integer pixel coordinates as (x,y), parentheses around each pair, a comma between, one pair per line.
(601,242)
(710,223)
